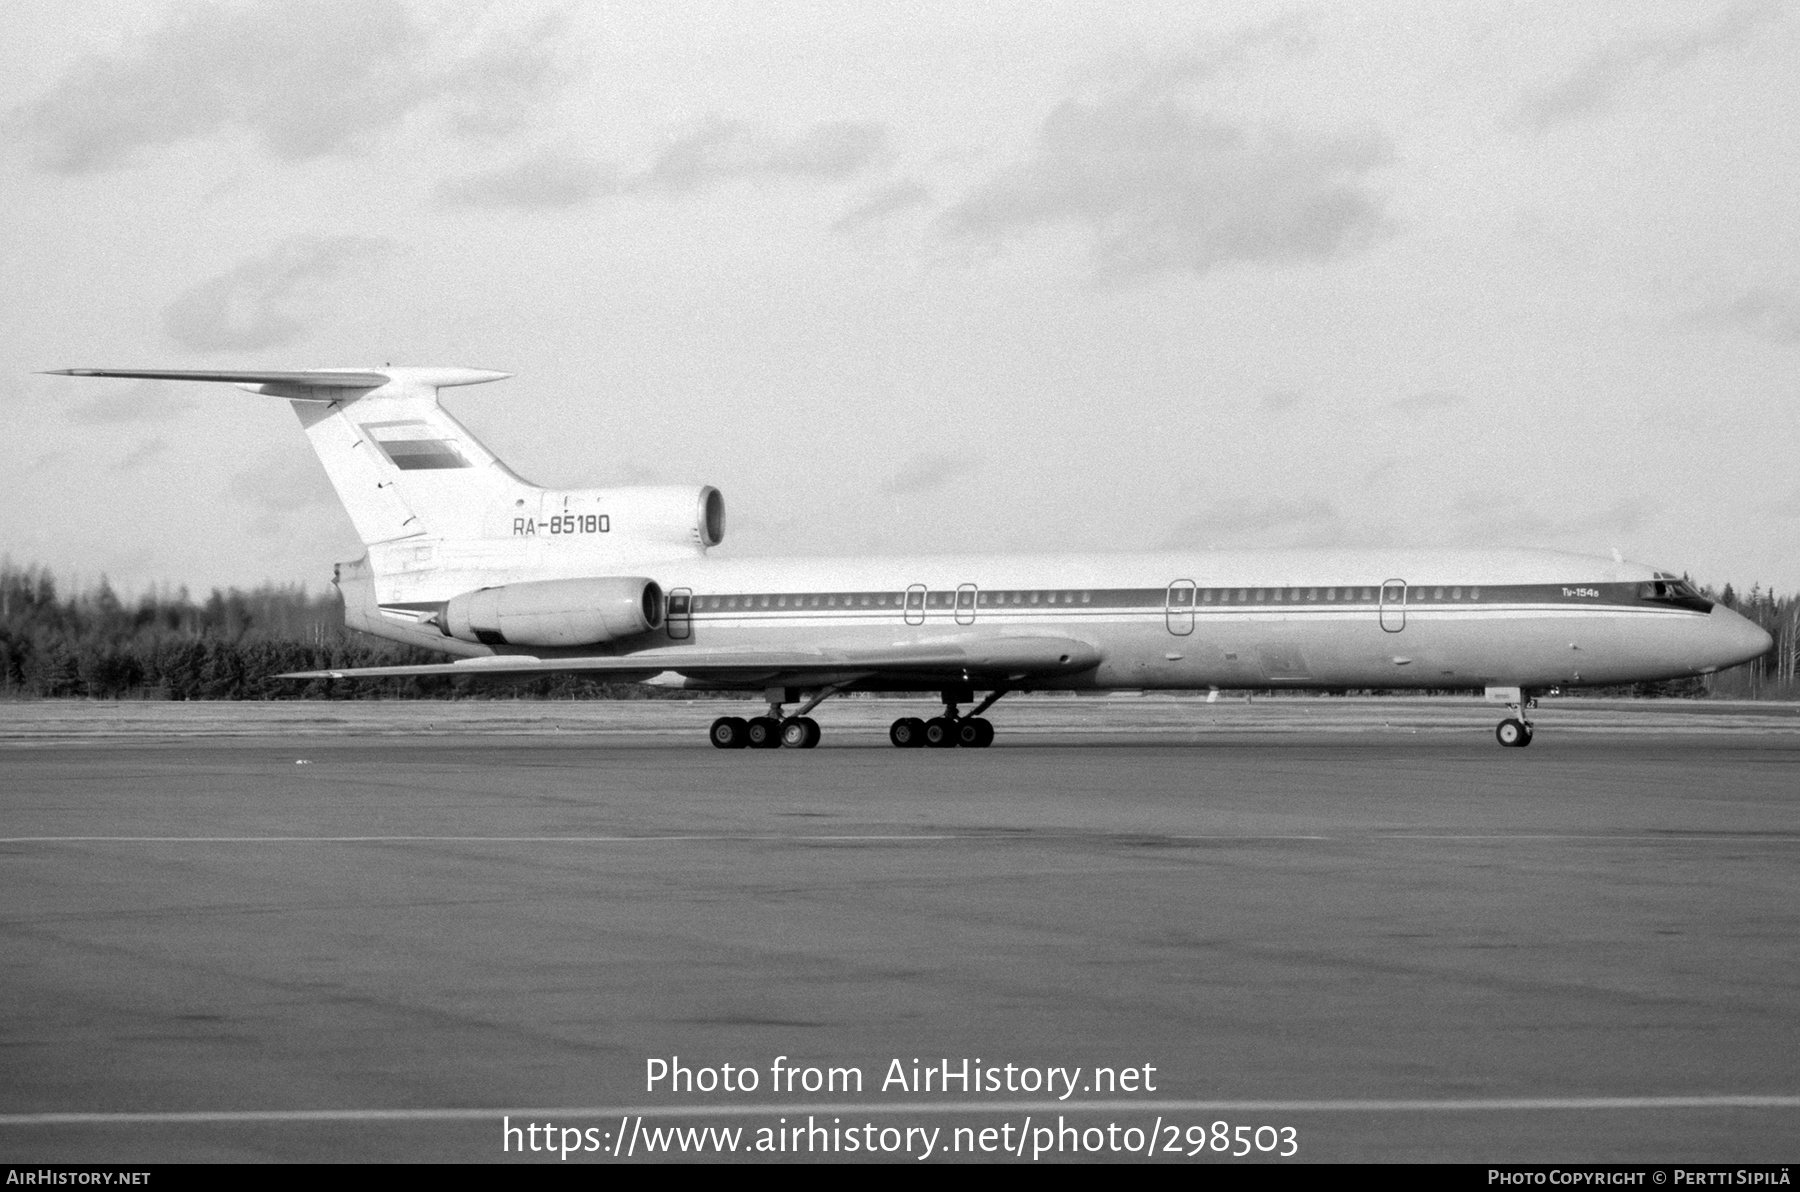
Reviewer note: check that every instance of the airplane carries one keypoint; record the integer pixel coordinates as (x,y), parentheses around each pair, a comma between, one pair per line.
(466,558)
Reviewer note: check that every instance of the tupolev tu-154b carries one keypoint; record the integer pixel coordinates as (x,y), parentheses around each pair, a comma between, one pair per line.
(467,558)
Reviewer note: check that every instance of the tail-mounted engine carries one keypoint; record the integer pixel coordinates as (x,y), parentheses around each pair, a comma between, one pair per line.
(555,612)
(681,516)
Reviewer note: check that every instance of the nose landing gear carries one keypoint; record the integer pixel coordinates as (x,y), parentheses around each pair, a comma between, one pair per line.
(1515,732)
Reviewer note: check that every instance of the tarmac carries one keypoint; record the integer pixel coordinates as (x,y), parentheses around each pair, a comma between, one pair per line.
(385,931)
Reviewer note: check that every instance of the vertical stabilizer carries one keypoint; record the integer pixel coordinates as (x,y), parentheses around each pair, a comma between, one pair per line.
(401,465)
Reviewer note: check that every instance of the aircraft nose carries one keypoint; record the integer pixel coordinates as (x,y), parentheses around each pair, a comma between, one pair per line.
(1736,639)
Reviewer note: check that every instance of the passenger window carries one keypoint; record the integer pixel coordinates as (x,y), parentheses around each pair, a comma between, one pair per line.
(1474,593)
(1243,595)
(1456,593)
(1312,593)
(1034,598)
(1087,597)
(1331,593)
(1437,593)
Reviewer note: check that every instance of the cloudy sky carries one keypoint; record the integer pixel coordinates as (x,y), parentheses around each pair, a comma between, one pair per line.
(920,276)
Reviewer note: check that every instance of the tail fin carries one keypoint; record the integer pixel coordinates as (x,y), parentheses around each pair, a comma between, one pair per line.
(401,465)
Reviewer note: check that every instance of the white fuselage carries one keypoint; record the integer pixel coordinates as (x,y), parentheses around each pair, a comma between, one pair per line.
(1241,619)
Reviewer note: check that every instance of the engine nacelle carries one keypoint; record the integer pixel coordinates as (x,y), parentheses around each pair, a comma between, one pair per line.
(667,513)
(555,612)
(664,514)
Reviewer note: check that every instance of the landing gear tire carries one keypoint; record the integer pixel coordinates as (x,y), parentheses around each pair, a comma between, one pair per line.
(802,732)
(940,733)
(730,732)
(763,732)
(1513,733)
(974,733)
(908,732)
(1529,733)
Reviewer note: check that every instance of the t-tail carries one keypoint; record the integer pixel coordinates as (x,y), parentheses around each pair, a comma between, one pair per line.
(444,518)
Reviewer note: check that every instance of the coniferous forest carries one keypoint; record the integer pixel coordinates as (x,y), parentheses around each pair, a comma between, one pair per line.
(229,646)
(96,644)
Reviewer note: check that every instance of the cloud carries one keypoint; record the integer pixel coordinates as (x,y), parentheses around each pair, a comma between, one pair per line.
(719,152)
(888,200)
(1278,401)
(283,485)
(1767,312)
(141,455)
(43,463)
(305,78)
(923,473)
(631,472)
(269,300)
(1160,184)
(1265,521)
(548,180)
(145,401)
(728,150)
(1431,399)
(1622,517)
(1597,82)
(1382,470)
(1475,510)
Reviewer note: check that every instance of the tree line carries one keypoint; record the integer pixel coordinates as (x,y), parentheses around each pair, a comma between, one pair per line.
(229,646)
(232,644)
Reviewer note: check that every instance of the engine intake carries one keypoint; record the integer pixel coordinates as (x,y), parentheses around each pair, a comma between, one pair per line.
(555,612)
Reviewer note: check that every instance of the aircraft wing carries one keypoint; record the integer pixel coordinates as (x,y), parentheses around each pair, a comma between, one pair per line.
(997,658)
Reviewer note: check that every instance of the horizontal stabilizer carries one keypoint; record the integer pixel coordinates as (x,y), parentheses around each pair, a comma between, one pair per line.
(317,378)
(1002,657)
(295,383)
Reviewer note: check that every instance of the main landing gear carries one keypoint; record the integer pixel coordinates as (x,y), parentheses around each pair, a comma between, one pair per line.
(800,731)
(774,731)
(949,730)
(1515,732)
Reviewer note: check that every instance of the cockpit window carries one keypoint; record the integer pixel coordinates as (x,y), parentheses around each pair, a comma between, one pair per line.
(1679,592)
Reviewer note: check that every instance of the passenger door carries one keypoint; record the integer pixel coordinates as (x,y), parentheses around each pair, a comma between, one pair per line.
(1178,607)
(680,615)
(965,604)
(1393,605)
(914,611)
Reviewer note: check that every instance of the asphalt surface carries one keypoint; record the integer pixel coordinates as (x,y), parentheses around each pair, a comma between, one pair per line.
(1532,949)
